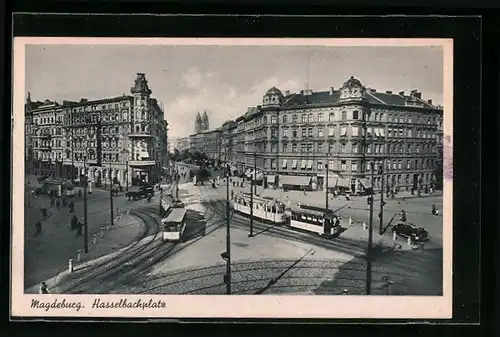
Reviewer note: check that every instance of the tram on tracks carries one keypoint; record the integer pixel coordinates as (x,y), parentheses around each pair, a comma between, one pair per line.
(263,208)
(312,220)
(174,225)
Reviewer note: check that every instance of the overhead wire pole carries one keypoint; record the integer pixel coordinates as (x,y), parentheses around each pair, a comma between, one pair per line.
(370,227)
(72,147)
(326,185)
(111,195)
(228,236)
(370,241)
(251,193)
(381,214)
(85,225)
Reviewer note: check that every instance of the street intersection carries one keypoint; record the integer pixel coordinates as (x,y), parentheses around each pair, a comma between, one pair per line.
(313,265)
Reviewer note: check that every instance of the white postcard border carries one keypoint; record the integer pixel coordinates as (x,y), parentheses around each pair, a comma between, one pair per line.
(237,306)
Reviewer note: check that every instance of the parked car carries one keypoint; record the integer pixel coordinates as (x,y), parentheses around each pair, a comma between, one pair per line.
(409,230)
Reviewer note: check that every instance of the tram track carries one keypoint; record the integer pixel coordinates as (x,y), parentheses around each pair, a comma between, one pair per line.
(212,220)
(261,274)
(131,252)
(128,266)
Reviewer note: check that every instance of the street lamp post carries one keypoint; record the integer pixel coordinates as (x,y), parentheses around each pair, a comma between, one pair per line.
(228,236)
(85,227)
(381,215)
(252,192)
(370,240)
(326,184)
(111,195)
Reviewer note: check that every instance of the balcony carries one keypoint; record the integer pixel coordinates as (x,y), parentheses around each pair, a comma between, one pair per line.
(140,135)
(141,163)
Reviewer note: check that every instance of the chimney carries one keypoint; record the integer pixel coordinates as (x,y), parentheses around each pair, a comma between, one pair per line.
(331,91)
(401,93)
(388,92)
(83,100)
(287,92)
(429,101)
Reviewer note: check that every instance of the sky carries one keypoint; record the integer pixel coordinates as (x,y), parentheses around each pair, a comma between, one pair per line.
(223,80)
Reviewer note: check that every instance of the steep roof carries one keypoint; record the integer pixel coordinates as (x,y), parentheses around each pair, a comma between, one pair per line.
(332,97)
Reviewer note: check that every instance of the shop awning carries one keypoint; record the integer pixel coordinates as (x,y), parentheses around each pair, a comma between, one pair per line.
(365,182)
(303,164)
(295,180)
(271,179)
(284,163)
(343,182)
(309,164)
(294,163)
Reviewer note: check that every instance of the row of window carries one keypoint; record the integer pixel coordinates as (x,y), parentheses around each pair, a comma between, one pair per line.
(354,131)
(400,179)
(336,165)
(345,148)
(344,116)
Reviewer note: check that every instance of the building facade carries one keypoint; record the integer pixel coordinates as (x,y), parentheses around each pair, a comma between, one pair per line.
(347,130)
(133,137)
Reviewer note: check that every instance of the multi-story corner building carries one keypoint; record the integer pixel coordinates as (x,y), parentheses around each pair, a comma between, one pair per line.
(133,137)
(295,137)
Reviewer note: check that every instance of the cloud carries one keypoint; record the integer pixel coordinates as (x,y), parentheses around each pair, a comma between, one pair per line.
(192,78)
(222,101)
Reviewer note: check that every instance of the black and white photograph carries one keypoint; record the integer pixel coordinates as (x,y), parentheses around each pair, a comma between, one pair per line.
(311,170)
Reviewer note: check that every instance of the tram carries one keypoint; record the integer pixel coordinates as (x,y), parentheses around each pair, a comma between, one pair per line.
(173,225)
(310,220)
(263,208)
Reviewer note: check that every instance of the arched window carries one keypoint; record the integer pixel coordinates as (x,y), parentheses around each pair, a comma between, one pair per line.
(331,117)
(310,118)
(344,115)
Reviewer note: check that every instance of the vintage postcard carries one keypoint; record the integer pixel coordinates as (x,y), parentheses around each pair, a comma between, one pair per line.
(188,178)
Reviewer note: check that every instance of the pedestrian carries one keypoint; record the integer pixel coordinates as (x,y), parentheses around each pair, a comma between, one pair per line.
(43,288)
(38,228)
(434,210)
(74,222)
(79,229)
(58,204)
(347,196)
(402,216)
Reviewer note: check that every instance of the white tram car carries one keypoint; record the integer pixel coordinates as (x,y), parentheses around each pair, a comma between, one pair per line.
(173,225)
(313,221)
(263,208)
